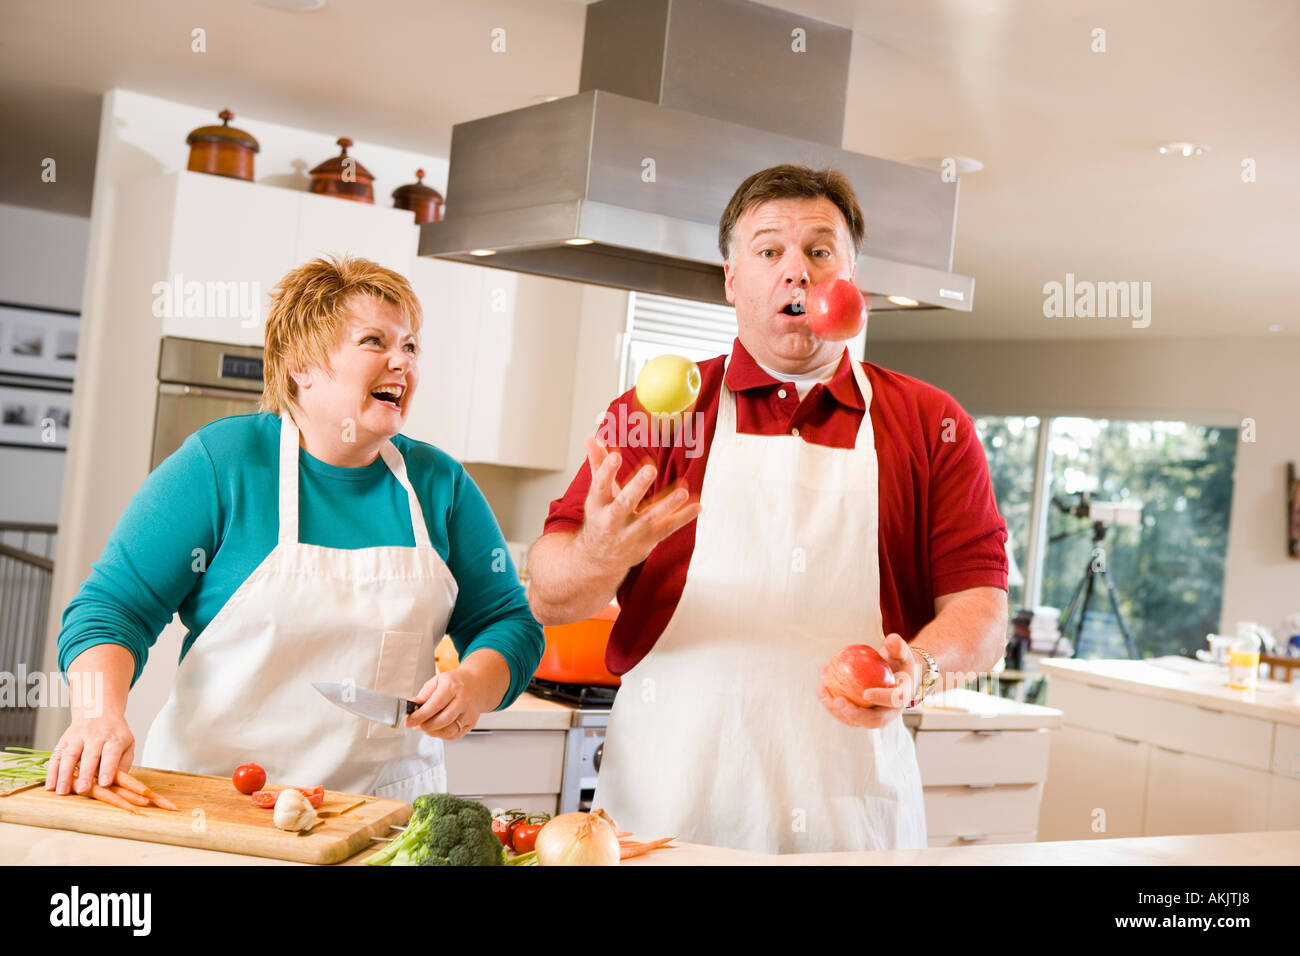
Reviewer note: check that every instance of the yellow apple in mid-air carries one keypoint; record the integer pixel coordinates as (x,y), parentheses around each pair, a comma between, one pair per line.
(668,385)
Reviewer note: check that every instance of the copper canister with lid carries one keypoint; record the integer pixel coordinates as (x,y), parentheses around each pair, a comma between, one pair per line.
(424,201)
(222,150)
(344,177)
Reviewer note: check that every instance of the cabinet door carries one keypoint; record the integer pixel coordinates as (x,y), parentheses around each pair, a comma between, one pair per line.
(1283,803)
(1093,780)
(331,226)
(506,761)
(451,295)
(1187,793)
(237,240)
(525,362)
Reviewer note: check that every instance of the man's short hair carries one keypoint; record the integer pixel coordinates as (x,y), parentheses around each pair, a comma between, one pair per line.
(788,181)
(308,310)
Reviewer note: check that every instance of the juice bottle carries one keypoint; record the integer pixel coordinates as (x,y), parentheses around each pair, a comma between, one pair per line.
(1243,657)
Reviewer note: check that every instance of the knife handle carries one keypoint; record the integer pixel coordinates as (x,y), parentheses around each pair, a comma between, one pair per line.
(411,707)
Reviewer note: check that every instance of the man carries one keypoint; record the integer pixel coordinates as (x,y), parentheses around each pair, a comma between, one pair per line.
(805,525)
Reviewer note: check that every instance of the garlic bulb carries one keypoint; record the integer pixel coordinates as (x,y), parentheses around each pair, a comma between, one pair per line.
(293,811)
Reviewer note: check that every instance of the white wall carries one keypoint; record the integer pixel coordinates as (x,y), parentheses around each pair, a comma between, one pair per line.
(1213,381)
(42,263)
(142,137)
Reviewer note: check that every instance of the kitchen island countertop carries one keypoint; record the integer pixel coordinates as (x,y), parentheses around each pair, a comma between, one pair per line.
(39,846)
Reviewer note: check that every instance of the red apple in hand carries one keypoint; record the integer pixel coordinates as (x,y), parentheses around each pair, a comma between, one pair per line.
(836,310)
(857,668)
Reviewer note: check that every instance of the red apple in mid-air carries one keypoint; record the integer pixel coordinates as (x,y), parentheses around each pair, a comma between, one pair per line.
(856,669)
(836,310)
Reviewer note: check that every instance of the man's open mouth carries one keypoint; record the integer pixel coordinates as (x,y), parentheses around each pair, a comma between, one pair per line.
(390,395)
(794,308)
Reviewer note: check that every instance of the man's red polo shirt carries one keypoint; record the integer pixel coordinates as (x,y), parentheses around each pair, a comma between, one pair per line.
(940,530)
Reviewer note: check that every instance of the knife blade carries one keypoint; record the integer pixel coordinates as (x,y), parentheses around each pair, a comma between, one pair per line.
(370,704)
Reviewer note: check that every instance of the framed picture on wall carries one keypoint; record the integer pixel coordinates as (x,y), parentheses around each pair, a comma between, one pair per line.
(1293,510)
(38,342)
(35,417)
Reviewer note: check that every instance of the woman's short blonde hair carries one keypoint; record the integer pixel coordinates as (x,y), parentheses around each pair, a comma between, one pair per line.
(308,311)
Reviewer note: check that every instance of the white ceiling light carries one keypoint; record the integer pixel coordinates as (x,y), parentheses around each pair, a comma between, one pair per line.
(1181,148)
(901,300)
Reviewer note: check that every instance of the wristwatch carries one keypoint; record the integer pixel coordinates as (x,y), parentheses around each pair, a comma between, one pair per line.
(929,677)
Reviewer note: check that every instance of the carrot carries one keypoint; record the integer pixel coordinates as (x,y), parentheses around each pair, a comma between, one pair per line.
(109,797)
(630,848)
(129,782)
(130,796)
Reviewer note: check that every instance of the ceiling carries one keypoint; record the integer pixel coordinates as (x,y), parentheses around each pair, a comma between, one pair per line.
(1072,182)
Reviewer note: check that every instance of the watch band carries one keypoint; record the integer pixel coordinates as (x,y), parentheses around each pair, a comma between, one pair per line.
(929,677)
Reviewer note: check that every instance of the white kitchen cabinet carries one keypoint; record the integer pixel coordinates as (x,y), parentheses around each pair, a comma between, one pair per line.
(1094,779)
(1283,803)
(1187,793)
(329,225)
(230,235)
(1195,765)
(499,353)
(508,768)
(227,234)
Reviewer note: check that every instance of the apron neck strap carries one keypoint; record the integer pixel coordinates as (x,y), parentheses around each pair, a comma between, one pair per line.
(727,402)
(289,485)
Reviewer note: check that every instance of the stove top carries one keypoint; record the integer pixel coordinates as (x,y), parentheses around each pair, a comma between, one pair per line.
(585,696)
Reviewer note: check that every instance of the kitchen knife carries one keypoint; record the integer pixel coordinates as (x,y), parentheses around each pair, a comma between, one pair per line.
(370,704)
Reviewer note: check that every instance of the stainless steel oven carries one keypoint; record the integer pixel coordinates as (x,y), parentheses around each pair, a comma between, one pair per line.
(199,382)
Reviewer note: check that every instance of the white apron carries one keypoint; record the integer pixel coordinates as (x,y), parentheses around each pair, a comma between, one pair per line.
(718,736)
(307,613)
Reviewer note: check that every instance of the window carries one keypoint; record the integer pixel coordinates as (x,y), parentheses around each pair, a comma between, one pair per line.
(1167,567)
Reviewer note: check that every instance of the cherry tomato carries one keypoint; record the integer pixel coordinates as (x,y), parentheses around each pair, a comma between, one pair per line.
(502,823)
(523,836)
(315,796)
(249,778)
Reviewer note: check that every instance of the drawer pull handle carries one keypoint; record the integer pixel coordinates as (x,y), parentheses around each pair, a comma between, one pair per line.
(972,837)
(1168,749)
(1128,740)
(472,732)
(1213,710)
(980,786)
(1096,686)
(986,733)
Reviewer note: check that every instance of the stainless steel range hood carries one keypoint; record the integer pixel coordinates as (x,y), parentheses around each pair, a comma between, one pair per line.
(623,184)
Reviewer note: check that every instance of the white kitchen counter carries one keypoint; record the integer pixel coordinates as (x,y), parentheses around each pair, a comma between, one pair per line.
(528,713)
(1184,681)
(958,709)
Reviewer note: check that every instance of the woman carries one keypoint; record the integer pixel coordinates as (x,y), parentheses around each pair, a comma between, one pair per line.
(308,542)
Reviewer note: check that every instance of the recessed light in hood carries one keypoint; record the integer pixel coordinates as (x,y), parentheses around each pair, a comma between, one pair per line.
(638,167)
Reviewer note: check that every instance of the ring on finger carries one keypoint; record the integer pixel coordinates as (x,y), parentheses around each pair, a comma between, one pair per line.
(460,729)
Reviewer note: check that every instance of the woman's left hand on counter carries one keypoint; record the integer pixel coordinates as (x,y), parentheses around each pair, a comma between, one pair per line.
(444,698)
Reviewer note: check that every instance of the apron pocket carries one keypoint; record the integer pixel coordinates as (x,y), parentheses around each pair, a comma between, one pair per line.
(405,663)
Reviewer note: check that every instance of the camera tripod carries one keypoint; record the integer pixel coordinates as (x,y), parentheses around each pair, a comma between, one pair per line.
(1084,589)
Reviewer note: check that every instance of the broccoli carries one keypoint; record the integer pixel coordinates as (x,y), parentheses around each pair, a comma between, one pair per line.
(444,830)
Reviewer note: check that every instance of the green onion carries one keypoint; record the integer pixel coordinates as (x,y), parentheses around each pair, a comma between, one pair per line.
(24,764)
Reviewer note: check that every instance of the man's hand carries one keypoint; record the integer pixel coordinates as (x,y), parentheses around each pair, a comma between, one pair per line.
(885,703)
(614,531)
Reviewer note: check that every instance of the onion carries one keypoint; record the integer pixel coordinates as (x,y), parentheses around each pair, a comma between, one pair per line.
(579,839)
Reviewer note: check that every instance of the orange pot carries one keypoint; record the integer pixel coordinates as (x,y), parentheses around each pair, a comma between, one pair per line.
(575,653)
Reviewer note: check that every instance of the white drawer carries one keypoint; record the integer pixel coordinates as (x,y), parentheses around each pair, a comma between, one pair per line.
(996,809)
(978,839)
(1286,751)
(506,761)
(955,757)
(1201,729)
(528,802)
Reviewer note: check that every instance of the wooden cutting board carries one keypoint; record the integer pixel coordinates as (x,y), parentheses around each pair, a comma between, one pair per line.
(213,816)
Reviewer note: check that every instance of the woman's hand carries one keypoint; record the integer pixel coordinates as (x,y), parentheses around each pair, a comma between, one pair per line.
(885,703)
(102,745)
(444,699)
